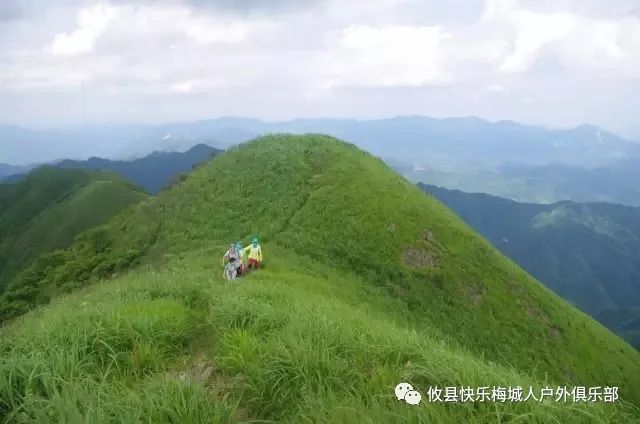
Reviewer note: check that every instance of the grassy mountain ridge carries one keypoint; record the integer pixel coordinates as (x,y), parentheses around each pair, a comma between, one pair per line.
(367,281)
(49,207)
(587,253)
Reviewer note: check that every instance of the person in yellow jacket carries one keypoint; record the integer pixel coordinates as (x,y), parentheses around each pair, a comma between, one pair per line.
(254,251)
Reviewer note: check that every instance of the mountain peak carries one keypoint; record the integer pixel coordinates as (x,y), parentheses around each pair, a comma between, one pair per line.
(366,282)
(327,199)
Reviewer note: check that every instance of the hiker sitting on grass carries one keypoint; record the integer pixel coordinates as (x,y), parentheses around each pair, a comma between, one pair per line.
(229,272)
(242,263)
(232,252)
(254,251)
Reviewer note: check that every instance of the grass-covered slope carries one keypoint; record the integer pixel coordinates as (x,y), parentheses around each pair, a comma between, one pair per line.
(588,253)
(298,342)
(368,283)
(49,207)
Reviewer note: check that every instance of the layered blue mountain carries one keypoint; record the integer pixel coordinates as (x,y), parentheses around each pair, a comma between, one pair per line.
(402,138)
(589,253)
(521,162)
(152,172)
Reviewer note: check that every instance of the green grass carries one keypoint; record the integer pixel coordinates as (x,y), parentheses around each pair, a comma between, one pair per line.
(367,282)
(297,342)
(49,207)
(93,204)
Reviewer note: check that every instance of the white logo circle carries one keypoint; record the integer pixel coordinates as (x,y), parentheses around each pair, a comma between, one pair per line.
(412,397)
(402,389)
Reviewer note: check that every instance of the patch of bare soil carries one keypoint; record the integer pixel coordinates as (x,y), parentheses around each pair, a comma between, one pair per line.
(424,253)
(416,257)
(534,311)
(555,331)
(198,372)
(204,372)
(427,235)
(475,293)
(515,288)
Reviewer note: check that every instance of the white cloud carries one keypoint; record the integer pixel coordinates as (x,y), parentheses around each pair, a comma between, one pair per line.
(231,33)
(168,49)
(184,48)
(581,43)
(363,55)
(180,21)
(534,32)
(92,22)
(327,58)
(182,87)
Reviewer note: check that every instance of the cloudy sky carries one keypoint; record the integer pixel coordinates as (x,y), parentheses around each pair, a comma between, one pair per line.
(552,62)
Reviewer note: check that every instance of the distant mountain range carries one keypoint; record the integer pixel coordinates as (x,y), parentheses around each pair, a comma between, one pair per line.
(152,172)
(20,146)
(7,170)
(618,182)
(414,138)
(504,158)
(588,253)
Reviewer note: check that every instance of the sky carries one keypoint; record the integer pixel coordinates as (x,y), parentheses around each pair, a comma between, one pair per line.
(554,63)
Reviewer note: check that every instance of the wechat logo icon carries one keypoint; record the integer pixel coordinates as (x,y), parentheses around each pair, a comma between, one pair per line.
(404,391)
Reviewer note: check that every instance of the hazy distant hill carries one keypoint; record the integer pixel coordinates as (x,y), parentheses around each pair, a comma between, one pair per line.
(152,172)
(522,162)
(617,182)
(413,138)
(444,141)
(7,170)
(588,253)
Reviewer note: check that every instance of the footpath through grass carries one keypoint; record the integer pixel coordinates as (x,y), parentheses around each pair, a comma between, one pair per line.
(368,283)
(294,342)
